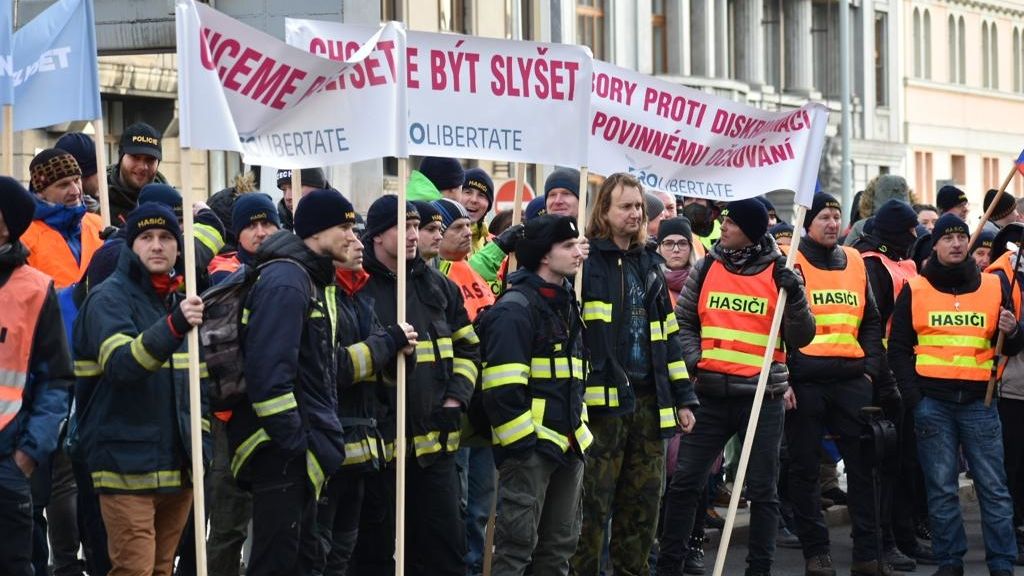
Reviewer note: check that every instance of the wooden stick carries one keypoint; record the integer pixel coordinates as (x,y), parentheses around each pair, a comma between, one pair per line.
(991,208)
(581,224)
(194,404)
(400,443)
(517,217)
(755,409)
(994,375)
(296,189)
(101,170)
(8,143)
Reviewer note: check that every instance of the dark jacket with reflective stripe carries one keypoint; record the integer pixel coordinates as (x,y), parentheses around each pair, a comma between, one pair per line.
(534,370)
(797,324)
(132,393)
(805,369)
(290,361)
(447,356)
(366,353)
(603,311)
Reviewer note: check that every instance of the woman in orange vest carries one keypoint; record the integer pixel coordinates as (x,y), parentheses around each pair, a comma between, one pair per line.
(834,377)
(675,244)
(63,236)
(941,350)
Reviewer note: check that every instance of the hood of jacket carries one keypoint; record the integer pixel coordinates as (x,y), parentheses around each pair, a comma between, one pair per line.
(284,244)
(421,188)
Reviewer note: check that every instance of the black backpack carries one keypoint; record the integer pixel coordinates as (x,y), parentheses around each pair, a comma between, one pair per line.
(221,333)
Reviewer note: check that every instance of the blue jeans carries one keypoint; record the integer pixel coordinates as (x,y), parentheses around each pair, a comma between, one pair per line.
(941,428)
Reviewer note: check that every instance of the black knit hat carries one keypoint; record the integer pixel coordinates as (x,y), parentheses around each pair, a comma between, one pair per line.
(821,201)
(51,165)
(141,138)
(1004,208)
(17,206)
(986,238)
(751,217)
(894,216)
(950,197)
(444,173)
(427,213)
(82,147)
(768,206)
(251,208)
(383,216)
(540,234)
(309,177)
(1011,233)
(536,207)
(322,209)
(568,178)
(164,194)
(679,225)
(450,211)
(479,179)
(781,230)
(921,250)
(151,216)
(949,224)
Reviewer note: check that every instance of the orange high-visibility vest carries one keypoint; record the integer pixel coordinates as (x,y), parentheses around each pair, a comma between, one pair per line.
(735,318)
(475,290)
(954,333)
(21,299)
(50,254)
(900,272)
(228,262)
(836,299)
(1005,263)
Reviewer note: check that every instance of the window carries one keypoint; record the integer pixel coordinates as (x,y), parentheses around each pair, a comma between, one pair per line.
(590,26)
(658,37)
(989,55)
(958,164)
(923,173)
(1018,60)
(926,46)
(957,51)
(881,59)
(918,45)
(990,172)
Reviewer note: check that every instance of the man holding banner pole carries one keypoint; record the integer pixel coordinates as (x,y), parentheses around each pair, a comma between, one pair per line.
(725,316)
(638,391)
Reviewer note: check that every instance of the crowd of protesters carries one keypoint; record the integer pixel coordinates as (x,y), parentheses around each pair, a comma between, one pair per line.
(599,432)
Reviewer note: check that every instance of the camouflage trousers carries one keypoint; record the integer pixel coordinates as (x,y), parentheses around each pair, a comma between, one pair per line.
(623,480)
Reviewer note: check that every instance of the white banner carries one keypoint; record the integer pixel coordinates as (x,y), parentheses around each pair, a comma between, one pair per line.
(483,98)
(692,143)
(241,89)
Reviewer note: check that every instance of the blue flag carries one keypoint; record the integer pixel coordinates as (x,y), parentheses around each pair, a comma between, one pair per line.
(55,73)
(6,67)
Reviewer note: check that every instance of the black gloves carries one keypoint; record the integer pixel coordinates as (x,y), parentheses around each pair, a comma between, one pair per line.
(508,239)
(890,401)
(448,419)
(397,335)
(178,322)
(788,278)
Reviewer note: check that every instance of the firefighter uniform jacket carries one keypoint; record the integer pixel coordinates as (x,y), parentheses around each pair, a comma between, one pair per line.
(534,370)
(726,357)
(608,389)
(289,347)
(447,354)
(132,392)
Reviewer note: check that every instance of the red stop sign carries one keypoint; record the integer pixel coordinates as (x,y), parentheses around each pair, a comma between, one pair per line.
(504,198)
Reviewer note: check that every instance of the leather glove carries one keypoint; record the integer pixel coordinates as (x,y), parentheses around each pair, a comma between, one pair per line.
(789,279)
(890,401)
(508,239)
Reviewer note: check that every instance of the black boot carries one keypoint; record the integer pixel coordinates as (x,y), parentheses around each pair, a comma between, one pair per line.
(694,561)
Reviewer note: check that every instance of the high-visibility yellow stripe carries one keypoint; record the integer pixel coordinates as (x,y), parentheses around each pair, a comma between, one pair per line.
(708,332)
(613,397)
(466,333)
(505,374)
(732,356)
(246,448)
(144,481)
(332,310)
(957,361)
(667,418)
(959,341)
(584,415)
(275,405)
(671,324)
(357,453)
(315,473)
(545,433)
(465,368)
(87,369)
(537,408)
(142,356)
(836,338)
(657,333)
(516,429)
(444,348)
(205,424)
(583,436)
(179,361)
(245,316)
(540,367)
(208,236)
(427,443)
(362,361)
(454,439)
(594,395)
(837,319)
(424,351)
(677,370)
(597,311)
(110,344)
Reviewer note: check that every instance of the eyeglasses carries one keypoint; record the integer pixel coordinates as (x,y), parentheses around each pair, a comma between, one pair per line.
(673,245)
